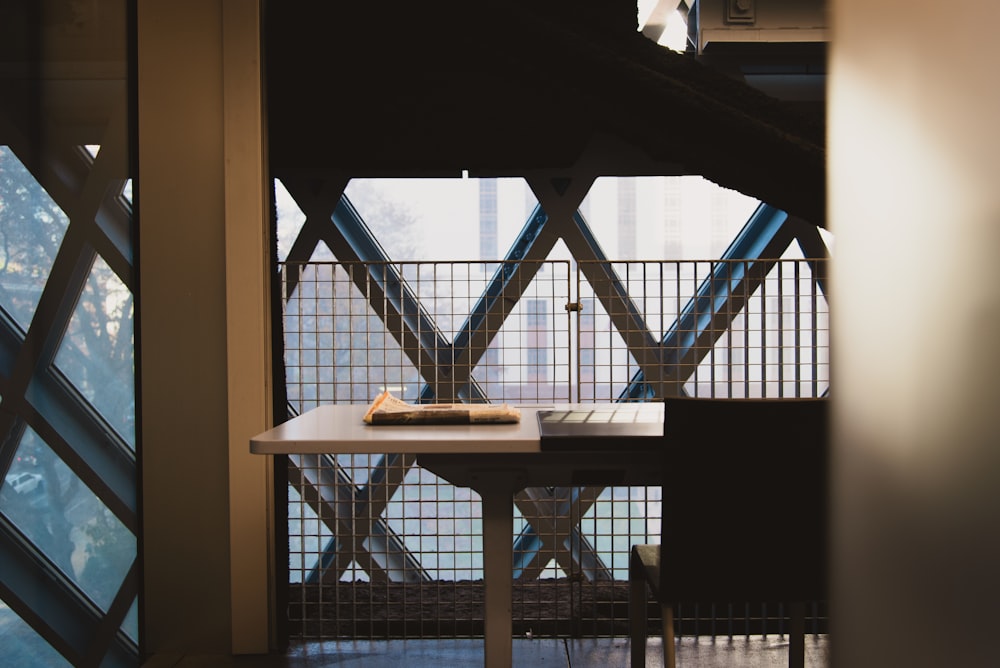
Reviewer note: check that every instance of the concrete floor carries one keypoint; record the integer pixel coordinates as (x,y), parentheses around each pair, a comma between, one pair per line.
(755,652)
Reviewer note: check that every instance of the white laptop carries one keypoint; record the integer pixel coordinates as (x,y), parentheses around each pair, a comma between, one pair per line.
(600,426)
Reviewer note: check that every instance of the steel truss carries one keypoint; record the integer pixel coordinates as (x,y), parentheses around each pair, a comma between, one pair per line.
(445,364)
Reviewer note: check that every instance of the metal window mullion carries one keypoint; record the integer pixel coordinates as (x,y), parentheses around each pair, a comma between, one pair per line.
(88,447)
(42,596)
(67,279)
(106,636)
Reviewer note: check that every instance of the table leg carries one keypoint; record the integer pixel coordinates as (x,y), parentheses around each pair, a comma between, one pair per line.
(498,566)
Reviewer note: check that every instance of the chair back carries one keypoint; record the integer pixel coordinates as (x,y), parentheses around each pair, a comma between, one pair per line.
(745,500)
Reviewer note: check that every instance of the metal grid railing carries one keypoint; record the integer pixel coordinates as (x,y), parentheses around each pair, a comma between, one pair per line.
(442,331)
(381,548)
(719,328)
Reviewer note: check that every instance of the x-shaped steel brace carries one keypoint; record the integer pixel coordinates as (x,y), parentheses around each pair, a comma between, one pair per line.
(353,515)
(555,534)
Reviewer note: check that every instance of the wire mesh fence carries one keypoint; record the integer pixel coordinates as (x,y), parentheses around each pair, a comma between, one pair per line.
(719,328)
(381,548)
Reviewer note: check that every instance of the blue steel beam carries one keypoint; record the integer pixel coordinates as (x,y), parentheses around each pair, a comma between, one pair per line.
(316,201)
(401,311)
(512,276)
(351,241)
(625,316)
(814,249)
(514,273)
(563,199)
(719,298)
(573,551)
(474,337)
(503,290)
(521,264)
(353,244)
(530,543)
(392,300)
(351,512)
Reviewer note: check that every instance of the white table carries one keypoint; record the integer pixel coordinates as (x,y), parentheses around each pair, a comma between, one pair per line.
(496,460)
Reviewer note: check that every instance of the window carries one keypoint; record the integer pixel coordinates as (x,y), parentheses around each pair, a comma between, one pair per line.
(67,363)
(398,292)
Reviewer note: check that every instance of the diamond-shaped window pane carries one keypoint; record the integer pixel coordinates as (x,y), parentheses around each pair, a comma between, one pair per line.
(443,219)
(32,227)
(290,219)
(65,520)
(640,218)
(22,646)
(96,353)
(672,26)
(130,625)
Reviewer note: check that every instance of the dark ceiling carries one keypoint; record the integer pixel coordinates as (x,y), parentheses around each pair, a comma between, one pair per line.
(504,88)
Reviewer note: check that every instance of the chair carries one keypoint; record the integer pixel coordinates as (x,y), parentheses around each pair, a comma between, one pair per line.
(744,514)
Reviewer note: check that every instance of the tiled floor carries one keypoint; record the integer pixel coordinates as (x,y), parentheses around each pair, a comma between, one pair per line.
(755,652)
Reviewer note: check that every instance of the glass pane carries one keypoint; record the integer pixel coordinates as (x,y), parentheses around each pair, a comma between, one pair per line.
(66,521)
(674,35)
(96,353)
(31,228)
(654,217)
(22,647)
(479,219)
(443,219)
(290,219)
(130,626)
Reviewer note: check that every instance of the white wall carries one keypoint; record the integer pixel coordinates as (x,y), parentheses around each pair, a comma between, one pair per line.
(915,207)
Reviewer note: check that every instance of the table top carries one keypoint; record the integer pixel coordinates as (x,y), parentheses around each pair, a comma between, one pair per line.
(340,429)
